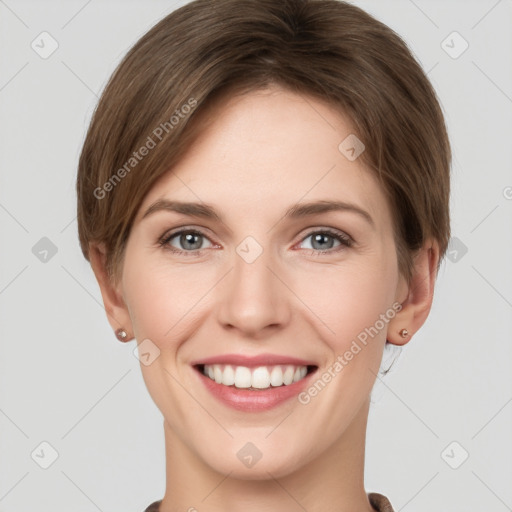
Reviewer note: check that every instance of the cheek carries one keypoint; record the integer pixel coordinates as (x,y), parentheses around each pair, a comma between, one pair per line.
(166,299)
(348,299)
(343,301)
(162,298)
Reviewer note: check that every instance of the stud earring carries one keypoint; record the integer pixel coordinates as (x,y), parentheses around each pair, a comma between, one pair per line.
(121,334)
(404,333)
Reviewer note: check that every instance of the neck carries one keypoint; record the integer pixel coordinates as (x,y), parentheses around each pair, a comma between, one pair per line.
(333,482)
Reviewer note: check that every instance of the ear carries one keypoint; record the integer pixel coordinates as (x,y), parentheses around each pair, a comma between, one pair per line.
(117,312)
(419,295)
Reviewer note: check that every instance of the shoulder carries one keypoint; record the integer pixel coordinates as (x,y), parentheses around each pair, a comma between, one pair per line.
(379,502)
(154,506)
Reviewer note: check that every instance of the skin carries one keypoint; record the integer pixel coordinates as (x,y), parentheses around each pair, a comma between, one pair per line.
(264,152)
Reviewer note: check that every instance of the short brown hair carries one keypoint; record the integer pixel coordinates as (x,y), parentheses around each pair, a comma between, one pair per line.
(328,49)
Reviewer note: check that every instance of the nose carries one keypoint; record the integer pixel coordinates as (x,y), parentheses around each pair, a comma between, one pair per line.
(253,298)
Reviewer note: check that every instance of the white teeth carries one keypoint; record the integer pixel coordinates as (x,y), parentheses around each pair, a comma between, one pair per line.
(228,377)
(242,377)
(276,376)
(262,377)
(217,374)
(288,375)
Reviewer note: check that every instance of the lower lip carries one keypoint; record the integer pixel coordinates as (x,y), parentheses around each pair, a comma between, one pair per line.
(253,400)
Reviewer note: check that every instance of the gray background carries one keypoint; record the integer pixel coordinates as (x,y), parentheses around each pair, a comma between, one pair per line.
(66,381)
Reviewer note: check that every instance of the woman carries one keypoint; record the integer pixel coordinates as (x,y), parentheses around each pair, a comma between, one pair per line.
(300,150)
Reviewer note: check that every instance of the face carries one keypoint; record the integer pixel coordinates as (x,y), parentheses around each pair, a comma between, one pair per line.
(263,289)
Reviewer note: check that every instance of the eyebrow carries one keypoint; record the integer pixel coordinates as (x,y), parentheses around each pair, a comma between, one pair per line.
(206,211)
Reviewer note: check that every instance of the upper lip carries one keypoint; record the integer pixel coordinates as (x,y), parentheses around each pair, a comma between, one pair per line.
(254,361)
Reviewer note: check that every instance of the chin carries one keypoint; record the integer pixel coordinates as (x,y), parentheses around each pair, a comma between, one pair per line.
(251,464)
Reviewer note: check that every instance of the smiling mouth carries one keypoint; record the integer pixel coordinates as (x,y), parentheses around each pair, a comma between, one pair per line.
(255,378)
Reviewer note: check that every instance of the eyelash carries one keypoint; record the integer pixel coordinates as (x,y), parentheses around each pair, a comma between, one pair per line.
(345,241)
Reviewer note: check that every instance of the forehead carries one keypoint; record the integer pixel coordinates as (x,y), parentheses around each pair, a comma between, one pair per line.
(266,150)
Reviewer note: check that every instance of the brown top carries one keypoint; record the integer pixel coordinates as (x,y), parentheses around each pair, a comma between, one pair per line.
(153,507)
(378,501)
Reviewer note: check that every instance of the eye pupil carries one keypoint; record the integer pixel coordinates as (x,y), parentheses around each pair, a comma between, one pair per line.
(320,237)
(188,238)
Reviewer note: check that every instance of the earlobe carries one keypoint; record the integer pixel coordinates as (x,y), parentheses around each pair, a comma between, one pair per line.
(417,304)
(117,312)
